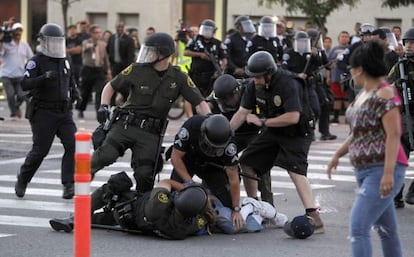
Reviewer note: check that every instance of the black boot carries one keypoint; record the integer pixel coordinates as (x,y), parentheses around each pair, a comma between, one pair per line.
(62,224)
(398,199)
(409,197)
(68,191)
(20,188)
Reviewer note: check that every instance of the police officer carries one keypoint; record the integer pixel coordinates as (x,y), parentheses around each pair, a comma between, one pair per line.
(343,59)
(395,77)
(227,93)
(238,44)
(204,146)
(208,57)
(153,84)
(266,39)
(287,125)
(50,82)
(169,210)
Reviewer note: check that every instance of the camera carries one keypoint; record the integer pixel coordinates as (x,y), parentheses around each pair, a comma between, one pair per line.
(7,32)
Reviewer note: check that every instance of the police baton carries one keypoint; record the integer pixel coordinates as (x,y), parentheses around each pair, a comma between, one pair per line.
(159,149)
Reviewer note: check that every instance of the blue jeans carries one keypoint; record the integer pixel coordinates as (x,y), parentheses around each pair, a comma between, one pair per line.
(370,210)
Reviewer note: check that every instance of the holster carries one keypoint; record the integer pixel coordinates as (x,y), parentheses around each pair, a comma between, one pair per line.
(30,108)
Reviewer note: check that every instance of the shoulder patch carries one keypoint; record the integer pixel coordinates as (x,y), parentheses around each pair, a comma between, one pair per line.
(31,65)
(190,82)
(127,70)
(231,149)
(201,222)
(163,197)
(183,134)
(285,57)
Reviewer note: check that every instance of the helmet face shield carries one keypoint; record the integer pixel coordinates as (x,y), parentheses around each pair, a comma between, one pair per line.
(209,148)
(267,30)
(148,54)
(302,45)
(53,46)
(392,41)
(206,31)
(248,26)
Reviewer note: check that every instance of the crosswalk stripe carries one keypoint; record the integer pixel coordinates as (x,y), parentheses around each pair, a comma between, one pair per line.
(37,205)
(24,221)
(6,235)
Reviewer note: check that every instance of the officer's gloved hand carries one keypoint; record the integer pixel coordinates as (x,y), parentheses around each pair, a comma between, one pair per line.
(51,75)
(103,113)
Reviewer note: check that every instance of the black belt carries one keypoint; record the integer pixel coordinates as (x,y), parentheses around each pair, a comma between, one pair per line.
(146,123)
(54,106)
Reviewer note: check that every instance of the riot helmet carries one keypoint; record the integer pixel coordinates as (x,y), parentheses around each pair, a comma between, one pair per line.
(367,29)
(260,64)
(391,39)
(408,35)
(267,27)
(157,47)
(301,42)
(227,92)
(191,201)
(52,41)
(215,135)
(315,38)
(207,28)
(245,24)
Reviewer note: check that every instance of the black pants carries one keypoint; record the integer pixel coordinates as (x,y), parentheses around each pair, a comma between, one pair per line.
(46,124)
(93,79)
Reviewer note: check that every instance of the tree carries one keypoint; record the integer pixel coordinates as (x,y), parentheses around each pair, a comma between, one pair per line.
(65,7)
(319,10)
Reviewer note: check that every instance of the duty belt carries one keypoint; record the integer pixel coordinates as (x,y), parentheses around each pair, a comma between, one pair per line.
(146,123)
(62,106)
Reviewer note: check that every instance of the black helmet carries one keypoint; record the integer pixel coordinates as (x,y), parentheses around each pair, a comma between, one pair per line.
(266,19)
(155,45)
(207,28)
(51,30)
(245,24)
(301,42)
(300,35)
(190,201)
(225,86)
(215,135)
(409,34)
(260,63)
(313,34)
(52,41)
(267,27)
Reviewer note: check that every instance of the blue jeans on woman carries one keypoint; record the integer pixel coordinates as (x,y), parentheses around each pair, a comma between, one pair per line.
(370,210)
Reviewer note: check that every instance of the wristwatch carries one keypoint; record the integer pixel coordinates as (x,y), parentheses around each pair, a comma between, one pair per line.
(236,209)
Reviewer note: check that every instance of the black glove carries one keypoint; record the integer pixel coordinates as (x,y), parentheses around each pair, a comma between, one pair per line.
(51,75)
(103,113)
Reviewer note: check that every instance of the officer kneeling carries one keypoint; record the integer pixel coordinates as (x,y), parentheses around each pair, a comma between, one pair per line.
(169,210)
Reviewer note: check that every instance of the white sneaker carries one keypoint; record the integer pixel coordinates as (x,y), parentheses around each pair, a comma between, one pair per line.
(264,209)
(279,220)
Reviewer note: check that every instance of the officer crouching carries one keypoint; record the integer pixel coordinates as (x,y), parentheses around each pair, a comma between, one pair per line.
(51,85)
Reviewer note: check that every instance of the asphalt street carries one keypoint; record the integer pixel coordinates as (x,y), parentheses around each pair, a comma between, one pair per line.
(25,231)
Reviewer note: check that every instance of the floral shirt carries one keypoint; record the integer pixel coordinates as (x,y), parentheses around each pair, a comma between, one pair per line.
(367,146)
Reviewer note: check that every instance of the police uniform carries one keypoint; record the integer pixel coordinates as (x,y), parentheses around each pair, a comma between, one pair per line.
(202,71)
(151,213)
(209,169)
(286,147)
(50,114)
(237,48)
(270,45)
(243,136)
(142,118)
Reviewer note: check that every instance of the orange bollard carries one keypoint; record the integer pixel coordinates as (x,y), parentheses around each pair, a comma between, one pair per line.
(82,198)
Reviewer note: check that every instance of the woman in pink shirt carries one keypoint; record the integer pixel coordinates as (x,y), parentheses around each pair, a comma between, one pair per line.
(375,152)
